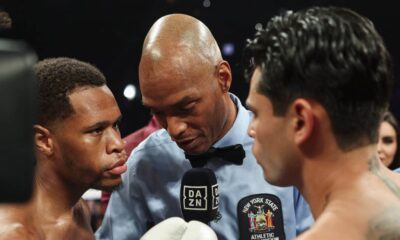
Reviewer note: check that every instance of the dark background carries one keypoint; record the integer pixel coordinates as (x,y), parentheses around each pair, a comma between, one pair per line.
(109,34)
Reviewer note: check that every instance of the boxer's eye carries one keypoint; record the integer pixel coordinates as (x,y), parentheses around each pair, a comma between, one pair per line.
(97,131)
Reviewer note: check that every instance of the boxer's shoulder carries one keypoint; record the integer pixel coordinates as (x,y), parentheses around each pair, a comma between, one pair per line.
(73,224)
(18,230)
(331,224)
(15,224)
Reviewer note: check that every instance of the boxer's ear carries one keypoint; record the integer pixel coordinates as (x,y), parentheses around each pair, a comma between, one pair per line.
(43,140)
(303,120)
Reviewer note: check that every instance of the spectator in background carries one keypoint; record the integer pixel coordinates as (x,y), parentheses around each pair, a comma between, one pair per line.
(388,148)
(5,20)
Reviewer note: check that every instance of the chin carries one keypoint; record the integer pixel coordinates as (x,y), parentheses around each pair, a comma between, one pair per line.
(200,148)
(108,185)
(276,180)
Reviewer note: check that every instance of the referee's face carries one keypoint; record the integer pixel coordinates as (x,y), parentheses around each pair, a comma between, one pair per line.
(188,99)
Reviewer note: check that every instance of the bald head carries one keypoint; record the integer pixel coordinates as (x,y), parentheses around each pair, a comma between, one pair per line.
(181,35)
(185,82)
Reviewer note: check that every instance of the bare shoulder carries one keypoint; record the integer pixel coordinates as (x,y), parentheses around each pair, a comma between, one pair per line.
(75,224)
(16,231)
(394,176)
(326,227)
(15,223)
(349,221)
(385,224)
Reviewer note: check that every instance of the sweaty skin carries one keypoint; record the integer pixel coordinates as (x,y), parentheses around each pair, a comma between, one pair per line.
(74,154)
(351,190)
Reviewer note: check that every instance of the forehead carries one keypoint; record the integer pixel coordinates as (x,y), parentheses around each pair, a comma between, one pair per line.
(172,97)
(255,79)
(92,104)
(175,65)
(257,101)
(163,81)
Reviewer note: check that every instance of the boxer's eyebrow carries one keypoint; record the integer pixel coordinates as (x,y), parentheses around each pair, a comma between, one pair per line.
(103,124)
(250,107)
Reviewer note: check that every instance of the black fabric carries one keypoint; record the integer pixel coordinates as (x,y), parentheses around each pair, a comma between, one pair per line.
(233,154)
(260,216)
(18,91)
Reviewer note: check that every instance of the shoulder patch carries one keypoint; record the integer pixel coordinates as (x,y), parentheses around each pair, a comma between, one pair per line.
(260,217)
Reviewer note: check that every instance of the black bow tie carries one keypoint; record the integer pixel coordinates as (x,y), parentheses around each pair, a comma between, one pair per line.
(234,154)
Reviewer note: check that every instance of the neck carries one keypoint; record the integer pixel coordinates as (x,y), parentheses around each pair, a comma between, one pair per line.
(333,174)
(231,112)
(53,194)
